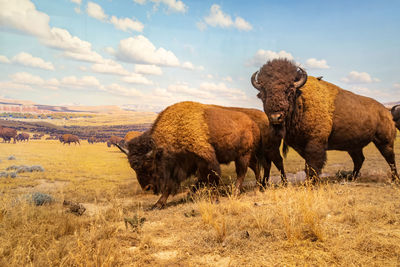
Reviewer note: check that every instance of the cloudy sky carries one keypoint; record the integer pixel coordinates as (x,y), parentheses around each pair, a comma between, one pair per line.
(152,53)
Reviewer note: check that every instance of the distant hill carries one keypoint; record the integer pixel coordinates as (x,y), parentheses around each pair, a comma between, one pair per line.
(11,105)
(391,104)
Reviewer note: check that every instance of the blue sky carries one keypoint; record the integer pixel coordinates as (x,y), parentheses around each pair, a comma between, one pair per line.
(152,53)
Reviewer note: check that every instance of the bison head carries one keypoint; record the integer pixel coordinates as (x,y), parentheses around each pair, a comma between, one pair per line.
(396,115)
(142,160)
(279,82)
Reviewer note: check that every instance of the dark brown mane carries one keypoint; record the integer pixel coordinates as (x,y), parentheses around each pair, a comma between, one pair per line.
(277,73)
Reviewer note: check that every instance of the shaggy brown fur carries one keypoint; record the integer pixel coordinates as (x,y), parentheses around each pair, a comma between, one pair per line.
(321,116)
(69,138)
(114,140)
(22,137)
(189,137)
(7,134)
(396,115)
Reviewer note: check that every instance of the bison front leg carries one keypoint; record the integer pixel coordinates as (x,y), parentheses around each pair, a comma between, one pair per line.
(315,156)
(160,204)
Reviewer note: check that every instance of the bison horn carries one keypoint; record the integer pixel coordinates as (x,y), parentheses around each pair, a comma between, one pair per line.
(302,80)
(123,150)
(254,81)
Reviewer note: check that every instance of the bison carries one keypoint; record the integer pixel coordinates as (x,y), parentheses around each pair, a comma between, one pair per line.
(114,140)
(190,137)
(396,115)
(7,134)
(314,116)
(69,138)
(22,137)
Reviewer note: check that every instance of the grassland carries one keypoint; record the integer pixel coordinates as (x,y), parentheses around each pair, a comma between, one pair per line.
(337,223)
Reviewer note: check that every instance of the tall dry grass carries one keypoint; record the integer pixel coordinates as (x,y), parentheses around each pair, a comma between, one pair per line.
(340,224)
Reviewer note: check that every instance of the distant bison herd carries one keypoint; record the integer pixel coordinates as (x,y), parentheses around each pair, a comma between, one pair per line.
(305,113)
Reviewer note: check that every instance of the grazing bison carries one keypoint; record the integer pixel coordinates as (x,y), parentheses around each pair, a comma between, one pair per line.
(188,137)
(396,115)
(7,134)
(69,138)
(114,140)
(22,137)
(314,116)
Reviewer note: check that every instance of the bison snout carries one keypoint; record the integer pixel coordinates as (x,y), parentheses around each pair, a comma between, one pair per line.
(276,118)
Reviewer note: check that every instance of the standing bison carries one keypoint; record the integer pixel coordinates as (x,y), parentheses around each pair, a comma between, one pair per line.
(396,115)
(188,137)
(129,136)
(314,116)
(92,140)
(69,138)
(7,134)
(22,137)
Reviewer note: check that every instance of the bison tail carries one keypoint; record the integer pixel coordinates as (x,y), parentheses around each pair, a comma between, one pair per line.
(285,149)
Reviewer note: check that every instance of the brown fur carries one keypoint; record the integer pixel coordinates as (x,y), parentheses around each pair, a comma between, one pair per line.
(396,115)
(189,137)
(69,138)
(22,137)
(7,134)
(321,116)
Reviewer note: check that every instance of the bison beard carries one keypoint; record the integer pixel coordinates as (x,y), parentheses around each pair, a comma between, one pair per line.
(189,137)
(319,116)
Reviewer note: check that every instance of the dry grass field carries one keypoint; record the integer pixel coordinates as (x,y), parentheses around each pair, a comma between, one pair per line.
(338,223)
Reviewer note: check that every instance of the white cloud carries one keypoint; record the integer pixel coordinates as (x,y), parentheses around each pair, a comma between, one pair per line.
(377,94)
(173,5)
(126,24)
(96,11)
(313,63)
(84,82)
(110,50)
(22,15)
(217,18)
(120,90)
(136,78)
(221,89)
(76,1)
(139,49)
(262,56)
(77,9)
(188,65)
(109,67)
(73,47)
(27,59)
(396,85)
(148,69)
(359,77)
(4,59)
(185,89)
(33,80)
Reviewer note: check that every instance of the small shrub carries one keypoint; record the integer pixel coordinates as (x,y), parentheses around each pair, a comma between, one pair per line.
(12,157)
(40,199)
